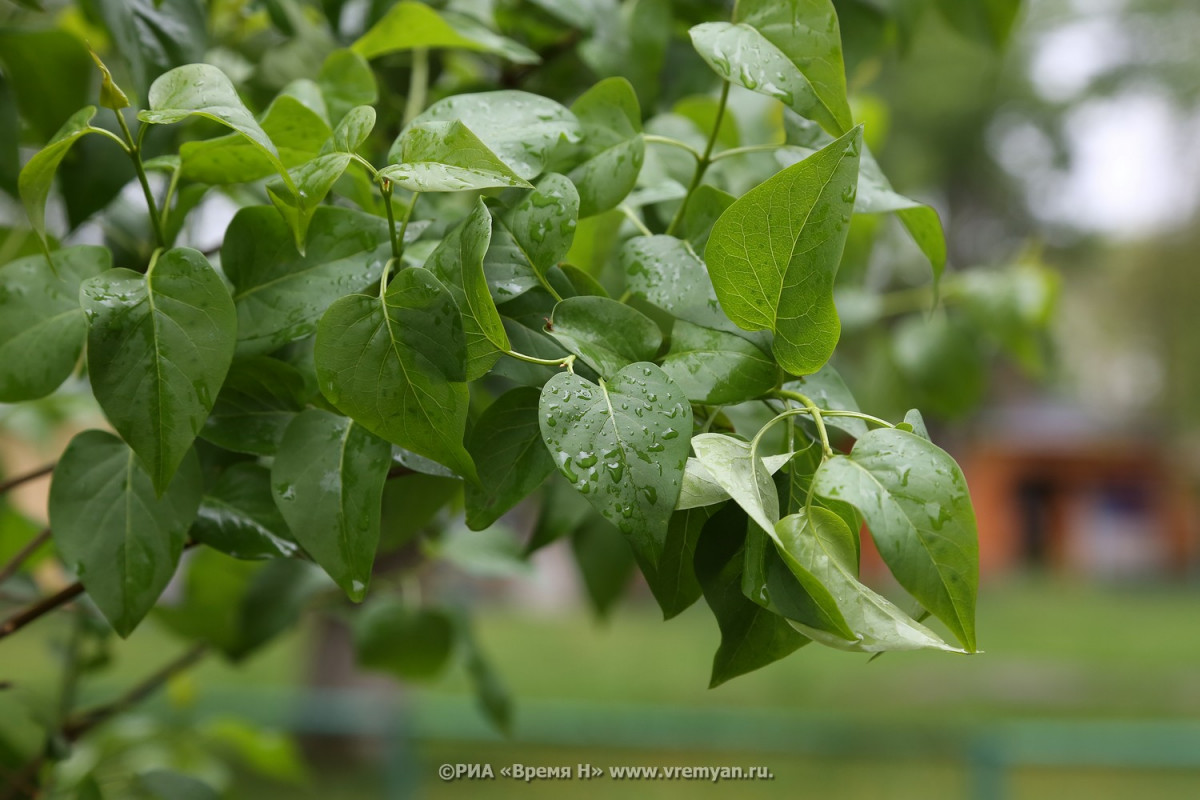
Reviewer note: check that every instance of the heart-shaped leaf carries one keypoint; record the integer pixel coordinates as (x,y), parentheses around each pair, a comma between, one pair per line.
(412,644)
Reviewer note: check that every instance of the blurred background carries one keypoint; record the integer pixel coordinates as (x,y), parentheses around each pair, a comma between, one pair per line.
(1064,374)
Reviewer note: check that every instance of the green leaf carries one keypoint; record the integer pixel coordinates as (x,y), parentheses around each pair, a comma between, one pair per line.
(789,50)
(445,157)
(491,553)
(1015,306)
(411,25)
(457,262)
(623,444)
(51,75)
(611,122)
(940,358)
(751,636)
(312,182)
(523,129)
(411,644)
(732,465)
(238,516)
(773,255)
(915,501)
(280,295)
(122,537)
(396,365)
(163,784)
(666,272)
(42,327)
(608,335)
(159,346)
(37,176)
(532,238)
(705,207)
(506,444)
(875,193)
(563,511)
(717,368)
(205,91)
(700,488)
(988,21)
(111,95)
(258,400)
(153,36)
(346,81)
(327,480)
(605,563)
(829,392)
(354,129)
(819,543)
(490,693)
(296,130)
(916,424)
(631,41)
(673,582)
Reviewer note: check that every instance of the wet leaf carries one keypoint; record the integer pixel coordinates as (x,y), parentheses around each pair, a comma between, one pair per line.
(606,334)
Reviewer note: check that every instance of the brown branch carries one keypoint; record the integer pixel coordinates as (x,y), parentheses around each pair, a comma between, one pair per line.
(22,555)
(13,483)
(85,721)
(43,606)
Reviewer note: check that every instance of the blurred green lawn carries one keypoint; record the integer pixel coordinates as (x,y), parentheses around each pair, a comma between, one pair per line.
(1054,650)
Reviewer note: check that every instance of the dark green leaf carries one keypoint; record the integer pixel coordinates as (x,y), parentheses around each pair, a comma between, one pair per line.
(457,262)
(774,253)
(605,563)
(606,334)
(42,327)
(159,346)
(717,368)
(280,295)
(162,784)
(611,122)
(152,36)
(989,21)
(563,511)
(490,692)
(623,444)
(51,75)
(412,644)
(704,208)
(327,480)
(396,364)
(915,501)
(122,537)
(506,444)
(238,516)
(532,238)
(258,400)
(674,582)
(412,25)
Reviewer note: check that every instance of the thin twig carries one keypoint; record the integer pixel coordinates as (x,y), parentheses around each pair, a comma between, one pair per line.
(13,483)
(22,555)
(43,606)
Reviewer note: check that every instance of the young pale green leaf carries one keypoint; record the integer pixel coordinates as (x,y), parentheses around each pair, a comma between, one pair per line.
(239,517)
(875,193)
(915,501)
(42,327)
(605,563)
(205,91)
(916,424)
(700,488)
(354,129)
(819,543)
(112,527)
(623,444)
(732,465)
(606,334)
(774,253)
(717,368)
(523,129)
(37,176)
(445,157)
(611,123)
(457,262)
(397,365)
(280,295)
(829,392)
(532,238)
(297,131)
(327,480)
(312,181)
(506,444)
(790,50)
(159,346)
(751,636)
(673,582)
(412,644)
(257,402)
(111,95)
(412,25)
(346,81)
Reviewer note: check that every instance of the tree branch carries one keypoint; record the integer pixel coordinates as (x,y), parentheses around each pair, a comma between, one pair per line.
(13,483)
(22,555)
(43,606)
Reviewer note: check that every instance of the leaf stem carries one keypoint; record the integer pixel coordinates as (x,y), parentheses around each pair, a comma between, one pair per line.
(741,151)
(367,164)
(135,154)
(418,84)
(412,204)
(651,138)
(786,394)
(13,483)
(809,407)
(705,159)
(567,361)
(385,189)
(637,223)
